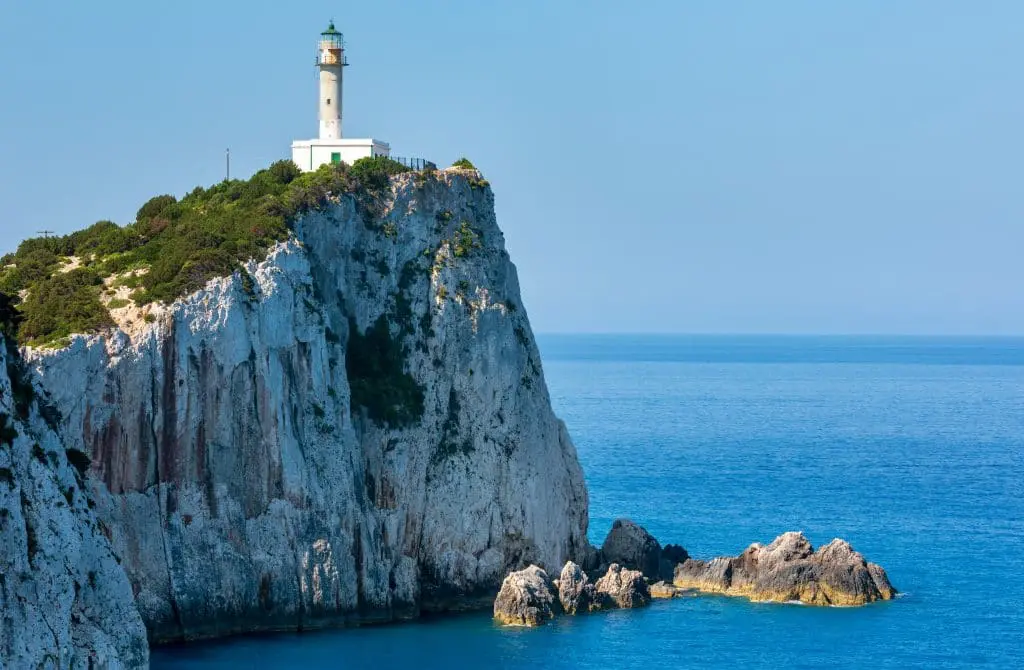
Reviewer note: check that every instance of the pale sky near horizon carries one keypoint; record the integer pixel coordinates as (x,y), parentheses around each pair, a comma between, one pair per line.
(658,165)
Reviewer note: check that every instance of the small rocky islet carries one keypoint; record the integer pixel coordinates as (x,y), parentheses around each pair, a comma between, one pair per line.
(637,569)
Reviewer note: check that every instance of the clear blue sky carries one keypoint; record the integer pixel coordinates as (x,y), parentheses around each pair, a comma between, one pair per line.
(683,166)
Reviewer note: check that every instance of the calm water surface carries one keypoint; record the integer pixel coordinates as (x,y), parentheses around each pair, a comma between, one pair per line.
(912,449)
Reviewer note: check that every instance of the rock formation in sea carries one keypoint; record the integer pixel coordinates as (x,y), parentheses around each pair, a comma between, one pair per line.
(355,429)
(789,569)
(576,592)
(64,600)
(527,597)
(630,545)
(624,587)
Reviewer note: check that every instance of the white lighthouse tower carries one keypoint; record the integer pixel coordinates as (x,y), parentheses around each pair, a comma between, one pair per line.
(331,146)
(330,58)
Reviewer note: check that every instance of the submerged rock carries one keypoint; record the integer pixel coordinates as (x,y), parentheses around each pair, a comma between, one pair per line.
(624,588)
(527,598)
(789,569)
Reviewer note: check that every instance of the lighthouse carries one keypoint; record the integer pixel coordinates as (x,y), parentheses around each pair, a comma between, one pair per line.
(330,58)
(330,146)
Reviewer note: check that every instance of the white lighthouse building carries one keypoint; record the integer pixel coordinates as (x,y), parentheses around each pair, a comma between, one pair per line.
(331,146)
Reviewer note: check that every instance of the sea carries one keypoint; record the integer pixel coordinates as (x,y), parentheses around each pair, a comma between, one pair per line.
(910,448)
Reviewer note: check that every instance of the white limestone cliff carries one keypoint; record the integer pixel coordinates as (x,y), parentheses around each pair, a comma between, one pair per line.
(64,600)
(243,492)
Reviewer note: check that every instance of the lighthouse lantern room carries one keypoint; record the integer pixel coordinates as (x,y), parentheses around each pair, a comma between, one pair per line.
(331,146)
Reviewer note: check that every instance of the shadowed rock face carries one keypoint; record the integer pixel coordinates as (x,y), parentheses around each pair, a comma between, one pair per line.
(527,598)
(631,546)
(64,600)
(246,489)
(789,569)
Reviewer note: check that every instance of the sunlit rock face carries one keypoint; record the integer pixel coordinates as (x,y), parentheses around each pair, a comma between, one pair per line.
(789,569)
(64,600)
(356,429)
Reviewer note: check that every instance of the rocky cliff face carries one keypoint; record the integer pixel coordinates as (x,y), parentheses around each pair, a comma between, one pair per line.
(356,429)
(64,600)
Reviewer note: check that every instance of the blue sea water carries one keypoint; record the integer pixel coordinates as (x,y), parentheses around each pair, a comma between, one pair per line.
(910,448)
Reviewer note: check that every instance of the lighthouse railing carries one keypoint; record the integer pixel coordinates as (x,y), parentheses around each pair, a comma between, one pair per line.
(414,163)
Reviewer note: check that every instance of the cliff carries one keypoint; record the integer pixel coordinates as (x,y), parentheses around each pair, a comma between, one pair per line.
(64,600)
(354,429)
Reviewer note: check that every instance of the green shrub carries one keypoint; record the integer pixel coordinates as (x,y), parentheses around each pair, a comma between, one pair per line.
(375,363)
(63,304)
(466,239)
(183,244)
(464,163)
(374,173)
(154,207)
(10,317)
(103,239)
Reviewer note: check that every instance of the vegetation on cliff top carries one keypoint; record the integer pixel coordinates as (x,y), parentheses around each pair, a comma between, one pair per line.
(173,248)
(375,363)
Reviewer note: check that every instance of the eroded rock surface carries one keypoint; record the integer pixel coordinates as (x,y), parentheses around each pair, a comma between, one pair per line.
(575,590)
(527,598)
(623,587)
(789,569)
(665,590)
(259,469)
(64,600)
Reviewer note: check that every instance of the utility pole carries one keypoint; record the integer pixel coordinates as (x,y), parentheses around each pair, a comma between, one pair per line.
(45,233)
(228,159)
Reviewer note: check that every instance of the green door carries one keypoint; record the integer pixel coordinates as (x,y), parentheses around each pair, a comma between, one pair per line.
(336,157)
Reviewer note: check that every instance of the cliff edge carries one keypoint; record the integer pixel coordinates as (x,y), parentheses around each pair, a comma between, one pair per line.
(355,429)
(64,600)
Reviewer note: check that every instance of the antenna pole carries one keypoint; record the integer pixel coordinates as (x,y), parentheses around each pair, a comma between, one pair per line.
(228,160)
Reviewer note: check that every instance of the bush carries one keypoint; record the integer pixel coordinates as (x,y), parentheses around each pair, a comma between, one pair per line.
(183,243)
(375,362)
(102,238)
(464,163)
(466,239)
(61,305)
(154,207)
(374,173)
(10,317)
